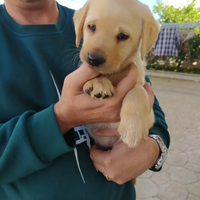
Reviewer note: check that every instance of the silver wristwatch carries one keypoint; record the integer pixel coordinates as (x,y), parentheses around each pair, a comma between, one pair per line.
(164,151)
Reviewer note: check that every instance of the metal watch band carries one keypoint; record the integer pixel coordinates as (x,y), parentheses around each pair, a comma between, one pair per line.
(164,151)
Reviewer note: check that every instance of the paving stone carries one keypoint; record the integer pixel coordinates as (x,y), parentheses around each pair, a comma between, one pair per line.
(195,189)
(192,197)
(179,178)
(194,158)
(178,147)
(160,177)
(192,136)
(192,166)
(165,167)
(146,188)
(147,174)
(192,141)
(181,175)
(179,136)
(177,159)
(189,122)
(149,199)
(172,191)
(193,150)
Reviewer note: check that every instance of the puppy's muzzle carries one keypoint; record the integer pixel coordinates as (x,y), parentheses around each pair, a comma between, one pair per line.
(95,60)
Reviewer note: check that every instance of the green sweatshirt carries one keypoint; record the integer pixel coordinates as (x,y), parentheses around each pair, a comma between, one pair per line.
(36,161)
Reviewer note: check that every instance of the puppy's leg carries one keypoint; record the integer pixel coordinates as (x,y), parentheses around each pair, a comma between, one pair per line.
(99,87)
(136,117)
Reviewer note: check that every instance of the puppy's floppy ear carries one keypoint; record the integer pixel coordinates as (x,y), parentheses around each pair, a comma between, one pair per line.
(150,32)
(79,19)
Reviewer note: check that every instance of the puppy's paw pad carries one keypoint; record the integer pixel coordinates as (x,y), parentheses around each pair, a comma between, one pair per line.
(100,88)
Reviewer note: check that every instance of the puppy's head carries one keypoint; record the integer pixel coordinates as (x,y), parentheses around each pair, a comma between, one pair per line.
(114,32)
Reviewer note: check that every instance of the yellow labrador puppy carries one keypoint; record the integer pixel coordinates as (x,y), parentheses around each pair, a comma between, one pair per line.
(116,33)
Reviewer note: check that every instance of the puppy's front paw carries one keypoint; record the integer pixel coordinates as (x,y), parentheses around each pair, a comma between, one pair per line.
(132,133)
(99,87)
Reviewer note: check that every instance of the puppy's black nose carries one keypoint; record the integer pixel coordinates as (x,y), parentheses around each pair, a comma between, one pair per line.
(95,60)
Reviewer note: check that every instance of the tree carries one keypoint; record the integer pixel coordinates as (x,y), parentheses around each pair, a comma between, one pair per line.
(170,14)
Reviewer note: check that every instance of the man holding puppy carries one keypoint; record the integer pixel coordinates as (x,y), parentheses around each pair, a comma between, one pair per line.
(40,157)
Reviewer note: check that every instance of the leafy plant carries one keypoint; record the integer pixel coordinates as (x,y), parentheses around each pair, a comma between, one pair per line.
(194,52)
(194,47)
(180,59)
(184,14)
(170,14)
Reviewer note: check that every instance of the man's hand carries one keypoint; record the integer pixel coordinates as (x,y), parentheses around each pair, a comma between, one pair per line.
(76,108)
(122,164)
(149,90)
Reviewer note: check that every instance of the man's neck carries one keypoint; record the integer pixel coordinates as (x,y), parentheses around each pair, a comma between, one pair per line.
(38,12)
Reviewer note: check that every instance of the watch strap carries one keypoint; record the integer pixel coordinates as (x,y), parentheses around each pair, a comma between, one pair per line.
(164,151)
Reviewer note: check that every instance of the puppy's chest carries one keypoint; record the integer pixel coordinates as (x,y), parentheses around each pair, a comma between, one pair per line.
(116,77)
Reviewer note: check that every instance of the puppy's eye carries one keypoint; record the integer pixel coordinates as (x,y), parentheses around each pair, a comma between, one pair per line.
(122,36)
(92,27)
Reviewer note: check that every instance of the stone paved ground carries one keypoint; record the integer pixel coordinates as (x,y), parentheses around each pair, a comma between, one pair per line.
(180,177)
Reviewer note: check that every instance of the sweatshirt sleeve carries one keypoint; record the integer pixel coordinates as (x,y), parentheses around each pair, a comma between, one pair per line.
(160,126)
(29,143)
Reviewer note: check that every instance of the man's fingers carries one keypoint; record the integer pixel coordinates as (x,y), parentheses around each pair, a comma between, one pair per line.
(126,84)
(150,92)
(82,75)
(97,154)
(148,88)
